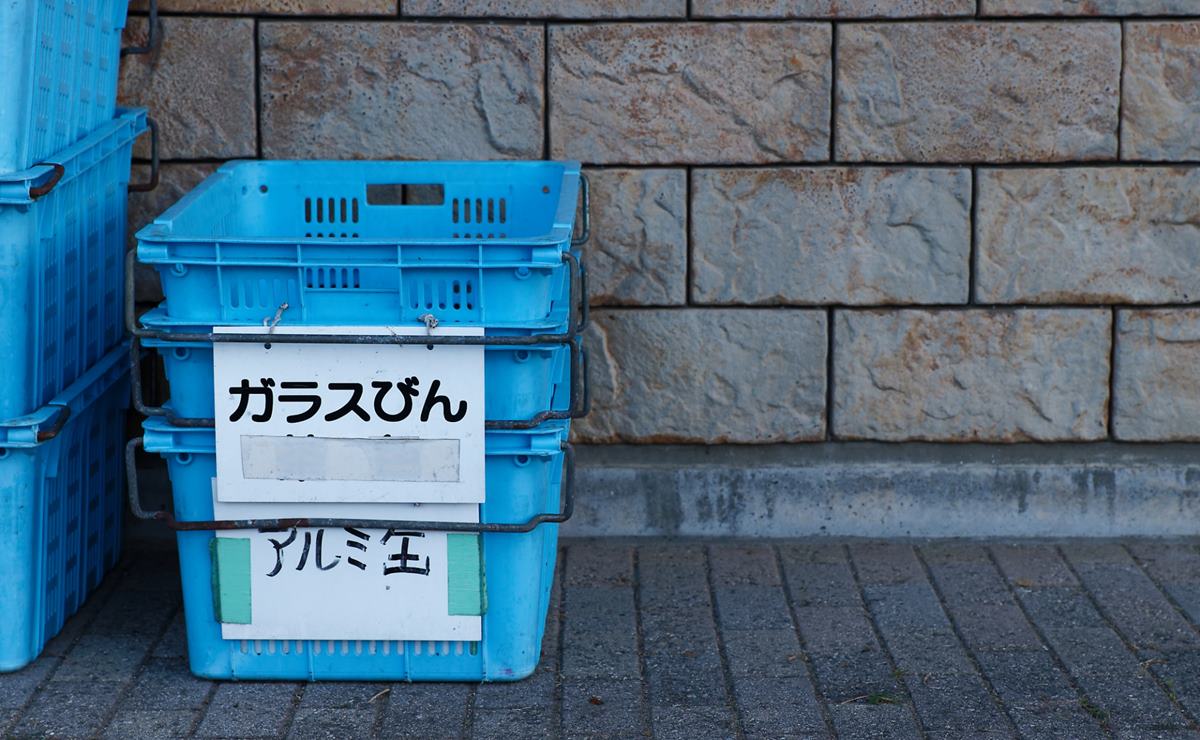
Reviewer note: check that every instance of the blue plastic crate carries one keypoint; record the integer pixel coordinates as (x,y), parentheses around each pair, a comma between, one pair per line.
(473,243)
(61,267)
(520,381)
(60,61)
(524,472)
(60,506)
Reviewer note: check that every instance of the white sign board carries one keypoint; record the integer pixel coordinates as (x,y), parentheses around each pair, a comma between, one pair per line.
(371,584)
(349,431)
(345,423)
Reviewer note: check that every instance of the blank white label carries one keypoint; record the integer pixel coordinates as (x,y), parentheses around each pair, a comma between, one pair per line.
(349,459)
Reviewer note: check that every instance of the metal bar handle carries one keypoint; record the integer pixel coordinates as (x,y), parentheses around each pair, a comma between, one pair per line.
(152,183)
(585,371)
(585,315)
(566,509)
(151,34)
(580,402)
(60,421)
(585,226)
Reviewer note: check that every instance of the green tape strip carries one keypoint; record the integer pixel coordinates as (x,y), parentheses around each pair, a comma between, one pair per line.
(231,579)
(464,574)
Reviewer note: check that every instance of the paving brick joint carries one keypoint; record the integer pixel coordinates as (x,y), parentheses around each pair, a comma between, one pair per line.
(707,638)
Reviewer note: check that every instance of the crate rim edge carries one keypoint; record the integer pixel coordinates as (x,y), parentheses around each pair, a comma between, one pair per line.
(160,230)
(15,186)
(546,441)
(23,432)
(157,319)
(162,437)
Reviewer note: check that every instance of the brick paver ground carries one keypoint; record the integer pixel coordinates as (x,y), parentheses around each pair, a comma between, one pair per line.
(697,639)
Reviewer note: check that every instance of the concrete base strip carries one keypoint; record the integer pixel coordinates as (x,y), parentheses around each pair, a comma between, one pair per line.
(889,490)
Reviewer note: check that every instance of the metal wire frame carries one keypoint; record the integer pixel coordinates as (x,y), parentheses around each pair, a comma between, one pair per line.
(580,403)
(566,509)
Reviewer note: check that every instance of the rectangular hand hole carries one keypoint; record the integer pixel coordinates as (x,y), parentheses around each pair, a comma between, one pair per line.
(406,194)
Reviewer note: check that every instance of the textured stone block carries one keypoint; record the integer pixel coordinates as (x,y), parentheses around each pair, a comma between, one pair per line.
(1156,383)
(417,710)
(167,684)
(549,8)
(771,653)
(831,8)
(1104,235)
(854,719)
(690,93)
(706,376)
(752,608)
(198,85)
(402,91)
(989,92)
(771,706)
(974,375)
(248,710)
(150,723)
(602,708)
(298,7)
(638,250)
(175,181)
(68,709)
(831,235)
(957,704)
(1087,7)
(1160,112)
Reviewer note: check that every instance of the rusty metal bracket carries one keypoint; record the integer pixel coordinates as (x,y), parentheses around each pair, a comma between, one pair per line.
(39,190)
(152,183)
(151,34)
(585,226)
(64,413)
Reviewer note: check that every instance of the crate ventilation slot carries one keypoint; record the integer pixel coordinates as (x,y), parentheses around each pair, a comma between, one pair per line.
(259,293)
(355,647)
(443,295)
(331,211)
(478,211)
(332,277)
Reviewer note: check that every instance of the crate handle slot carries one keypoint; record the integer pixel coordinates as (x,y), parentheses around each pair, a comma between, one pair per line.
(585,226)
(406,194)
(56,174)
(565,510)
(152,183)
(151,34)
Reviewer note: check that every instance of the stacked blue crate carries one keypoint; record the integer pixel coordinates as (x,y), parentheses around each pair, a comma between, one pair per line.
(65,155)
(478,244)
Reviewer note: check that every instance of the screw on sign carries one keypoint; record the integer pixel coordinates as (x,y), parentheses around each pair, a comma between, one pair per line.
(408,389)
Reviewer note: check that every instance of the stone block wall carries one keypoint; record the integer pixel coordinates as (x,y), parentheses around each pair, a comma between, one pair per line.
(814,220)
